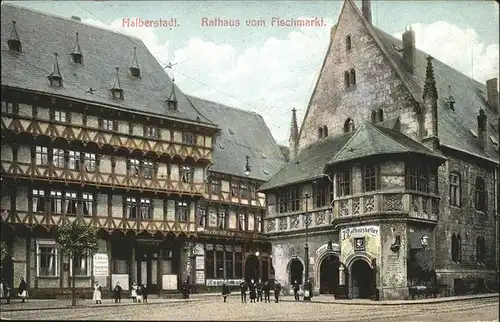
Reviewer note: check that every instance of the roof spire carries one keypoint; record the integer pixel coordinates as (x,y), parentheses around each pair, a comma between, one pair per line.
(293,141)
(172,99)
(77,52)
(117,90)
(430,82)
(14,42)
(55,77)
(134,68)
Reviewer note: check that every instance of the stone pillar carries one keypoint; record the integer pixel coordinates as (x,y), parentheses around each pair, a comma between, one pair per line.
(341,275)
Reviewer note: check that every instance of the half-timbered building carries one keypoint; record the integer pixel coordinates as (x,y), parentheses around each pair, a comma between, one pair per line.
(393,180)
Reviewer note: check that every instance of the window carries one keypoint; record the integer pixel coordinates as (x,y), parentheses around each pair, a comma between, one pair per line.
(243,191)
(322,192)
(9,108)
(480,250)
(352,77)
(80,265)
(187,174)
(188,138)
(134,167)
(219,263)
(146,208)
(283,199)
(455,195)
(147,169)
(238,265)
(242,222)
(216,186)
(58,158)
(70,203)
(74,160)
(202,217)
(181,211)
(253,192)
(346,79)
(258,225)
(417,177)
(295,200)
(209,263)
(480,197)
(221,219)
(41,155)
(172,136)
(46,258)
(235,189)
(380,113)
(56,206)
(60,116)
(325,131)
(344,183)
(229,265)
(131,207)
(320,132)
(88,204)
(348,125)
(38,201)
(370,178)
(151,132)
(377,115)
(107,125)
(456,248)
(89,162)
(348,42)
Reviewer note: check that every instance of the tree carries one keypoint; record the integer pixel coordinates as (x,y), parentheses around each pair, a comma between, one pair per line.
(77,239)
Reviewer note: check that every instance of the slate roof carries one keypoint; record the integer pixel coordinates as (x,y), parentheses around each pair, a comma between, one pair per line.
(453,126)
(309,164)
(371,139)
(242,133)
(42,35)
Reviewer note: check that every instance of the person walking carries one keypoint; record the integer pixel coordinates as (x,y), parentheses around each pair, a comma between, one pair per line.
(277,291)
(133,292)
(253,291)
(296,288)
(23,290)
(144,289)
(225,291)
(307,290)
(267,292)
(97,294)
(118,293)
(243,290)
(259,290)
(139,293)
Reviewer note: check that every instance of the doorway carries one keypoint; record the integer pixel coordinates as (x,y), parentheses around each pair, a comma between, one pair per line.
(252,268)
(7,268)
(147,268)
(329,275)
(362,280)
(296,271)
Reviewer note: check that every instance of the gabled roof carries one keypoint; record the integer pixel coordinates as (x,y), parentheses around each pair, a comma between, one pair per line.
(309,164)
(103,50)
(242,133)
(371,139)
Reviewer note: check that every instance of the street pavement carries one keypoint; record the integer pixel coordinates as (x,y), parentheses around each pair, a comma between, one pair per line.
(213,308)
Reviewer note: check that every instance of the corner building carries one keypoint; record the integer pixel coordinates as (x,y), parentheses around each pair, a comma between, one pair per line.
(395,170)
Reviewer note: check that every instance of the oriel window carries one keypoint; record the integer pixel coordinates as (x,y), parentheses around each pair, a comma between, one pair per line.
(370,179)
(344,183)
(283,201)
(295,199)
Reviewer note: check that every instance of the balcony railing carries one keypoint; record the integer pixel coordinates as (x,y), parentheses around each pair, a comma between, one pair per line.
(414,204)
(296,221)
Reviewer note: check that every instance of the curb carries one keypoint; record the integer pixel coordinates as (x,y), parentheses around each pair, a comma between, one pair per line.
(404,302)
(93,306)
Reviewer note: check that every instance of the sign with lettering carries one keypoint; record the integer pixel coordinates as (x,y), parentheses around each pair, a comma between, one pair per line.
(198,249)
(360,231)
(218,282)
(200,263)
(324,248)
(101,264)
(200,277)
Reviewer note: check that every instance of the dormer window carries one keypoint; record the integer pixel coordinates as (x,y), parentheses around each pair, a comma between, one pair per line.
(14,42)
(348,125)
(55,77)
(348,42)
(134,69)
(325,131)
(77,52)
(377,115)
(352,77)
(172,99)
(320,132)
(116,90)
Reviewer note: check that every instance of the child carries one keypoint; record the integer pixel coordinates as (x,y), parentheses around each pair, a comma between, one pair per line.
(134,292)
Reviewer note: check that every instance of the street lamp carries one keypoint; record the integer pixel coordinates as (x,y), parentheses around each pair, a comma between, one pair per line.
(306,249)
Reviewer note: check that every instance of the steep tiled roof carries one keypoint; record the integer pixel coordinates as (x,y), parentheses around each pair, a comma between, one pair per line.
(454,127)
(103,50)
(371,139)
(242,133)
(309,164)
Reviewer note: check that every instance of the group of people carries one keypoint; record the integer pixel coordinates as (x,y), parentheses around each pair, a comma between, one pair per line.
(6,290)
(255,290)
(307,290)
(138,293)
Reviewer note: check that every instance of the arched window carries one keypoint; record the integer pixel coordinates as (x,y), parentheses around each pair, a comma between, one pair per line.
(325,131)
(459,248)
(320,132)
(455,185)
(377,115)
(380,115)
(374,116)
(480,250)
(348,42)
(353,77)
(348,125)
(454,248)
(346,79)
(480,197)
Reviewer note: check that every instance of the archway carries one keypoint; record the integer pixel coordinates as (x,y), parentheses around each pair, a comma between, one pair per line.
(252,268)
(329,274)
(7,270)
(296,271)
(362,279)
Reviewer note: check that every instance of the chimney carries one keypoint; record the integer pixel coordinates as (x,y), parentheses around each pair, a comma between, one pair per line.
(482,134)
(409,49)
(367,10)
(492,92)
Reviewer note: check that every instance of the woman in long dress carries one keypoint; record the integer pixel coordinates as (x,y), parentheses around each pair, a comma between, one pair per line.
(133,293)
(97,294)
(23,289)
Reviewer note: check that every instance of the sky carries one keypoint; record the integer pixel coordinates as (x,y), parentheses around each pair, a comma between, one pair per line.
(271,69)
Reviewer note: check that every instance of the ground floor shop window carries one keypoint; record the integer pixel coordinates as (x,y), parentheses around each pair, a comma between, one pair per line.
(47,258)
(223,262)
(80,265)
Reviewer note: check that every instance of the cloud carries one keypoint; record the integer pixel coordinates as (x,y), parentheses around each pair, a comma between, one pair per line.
(459,48)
